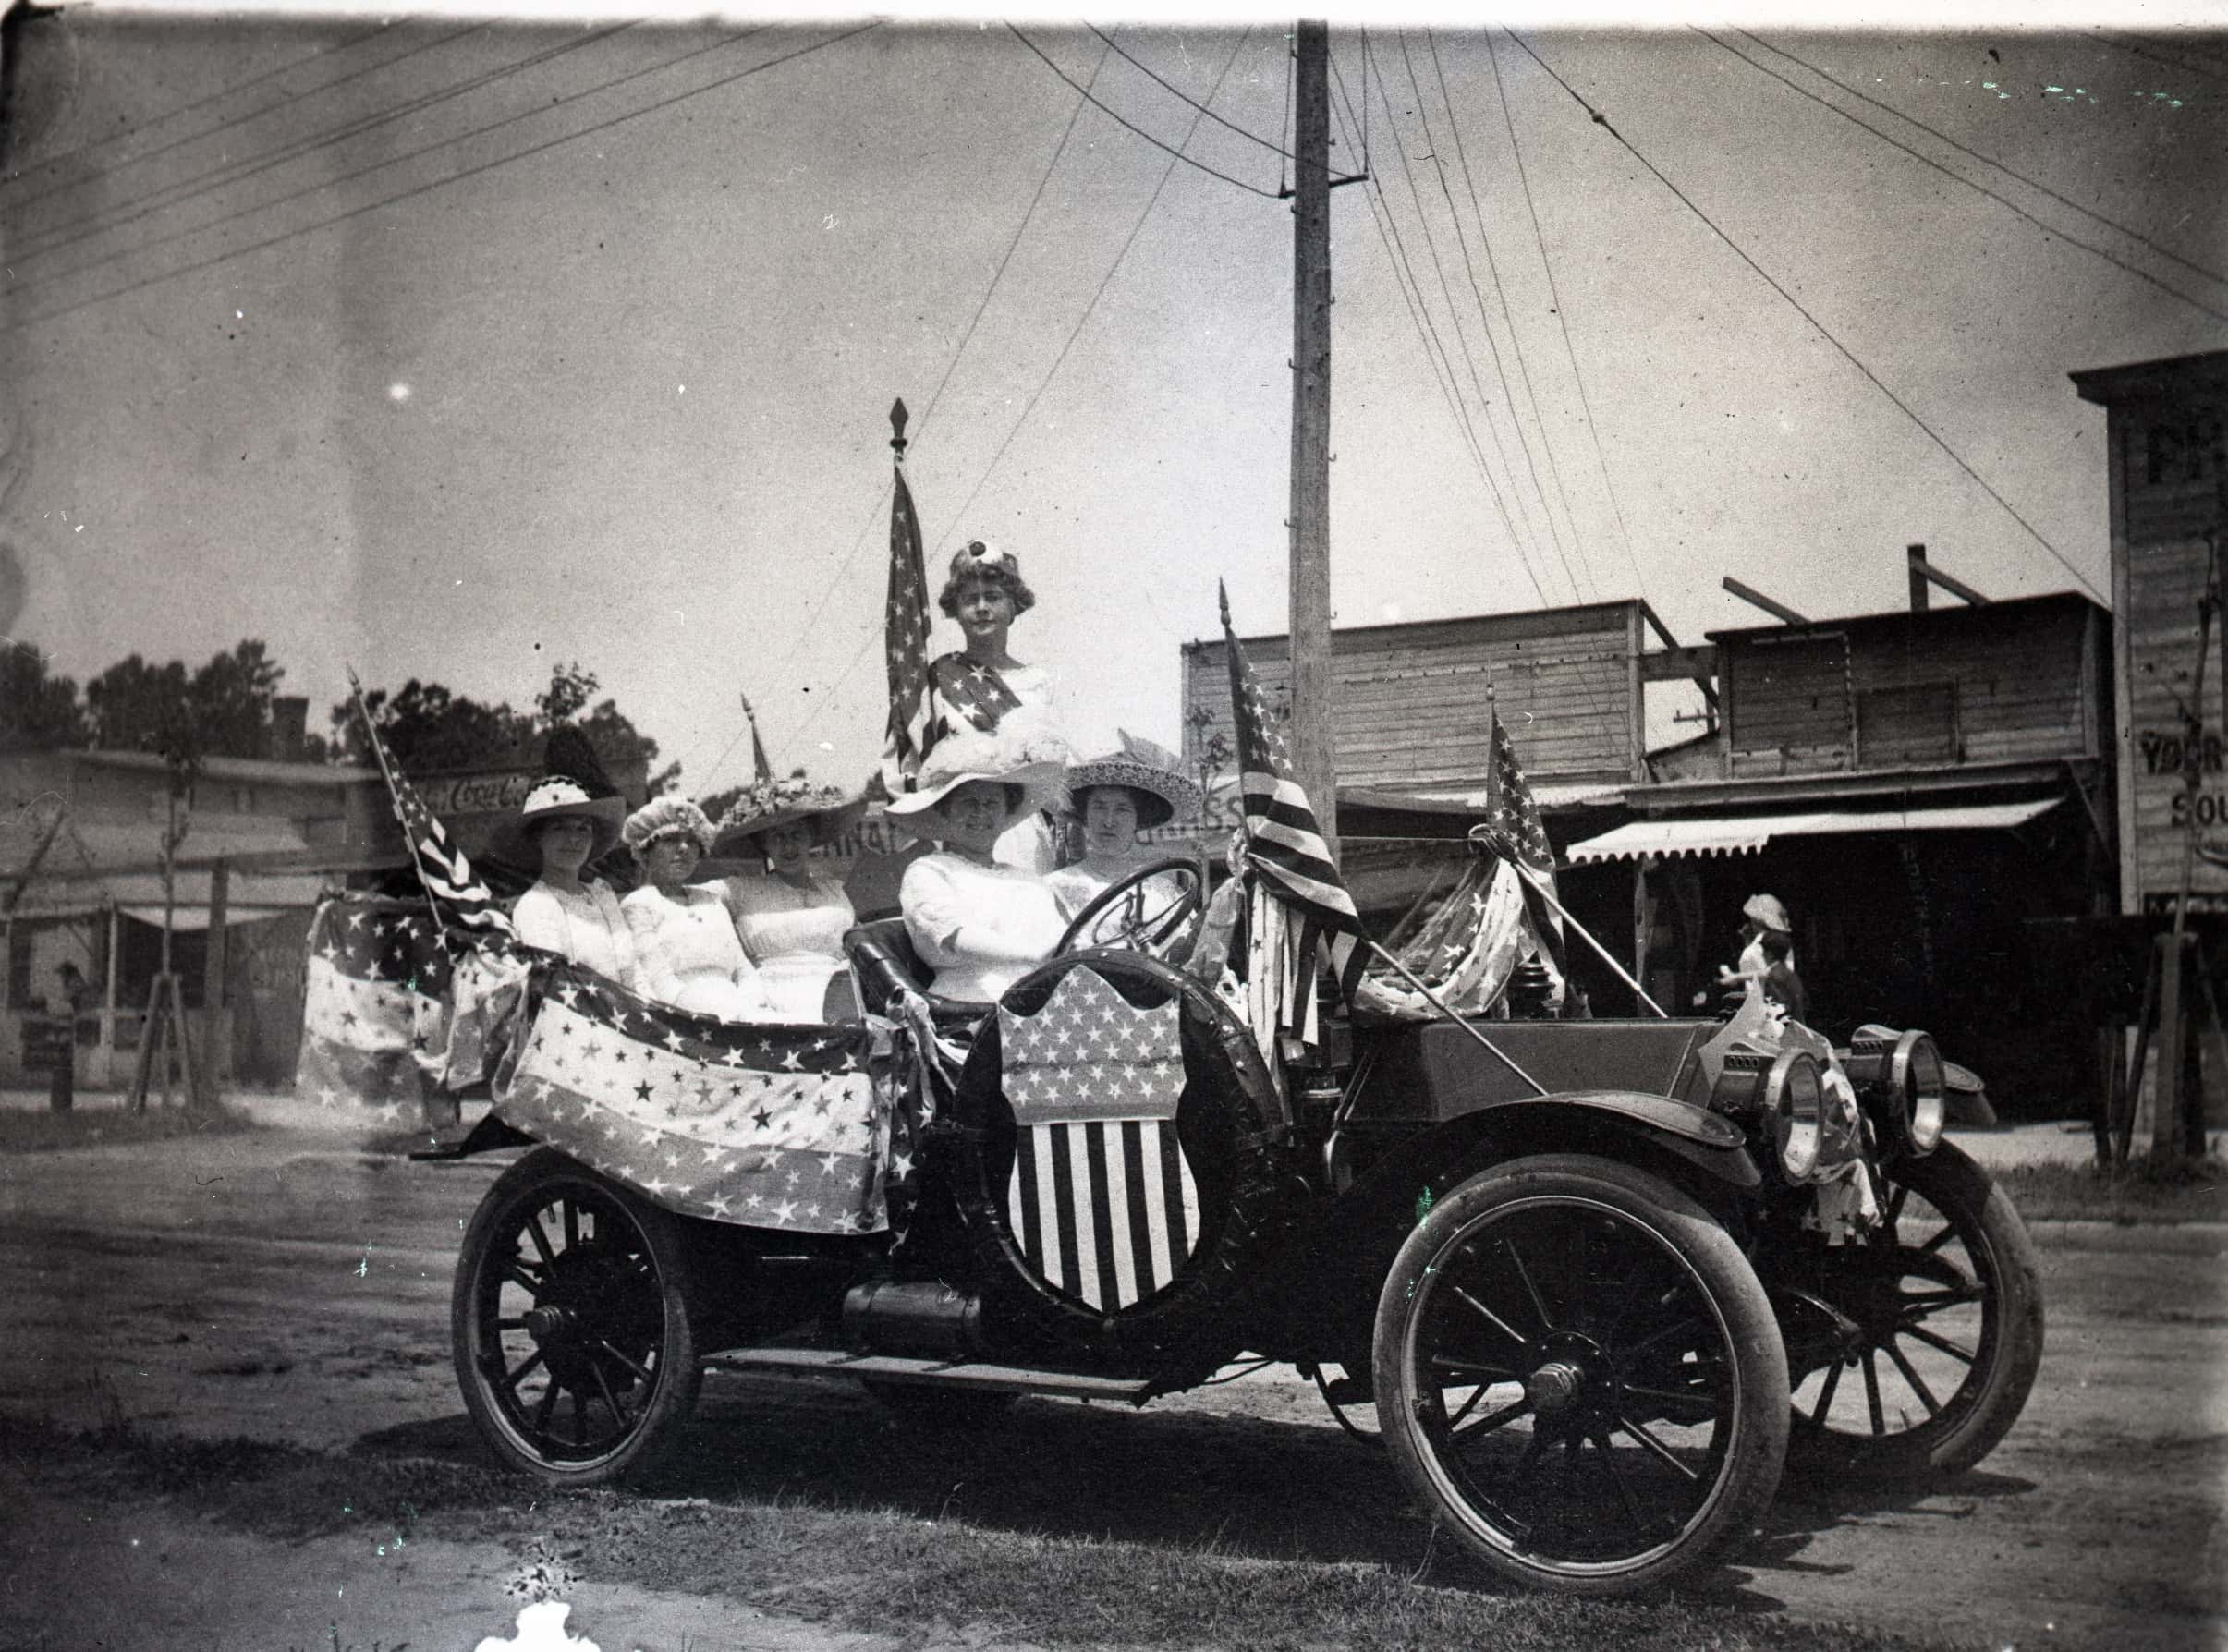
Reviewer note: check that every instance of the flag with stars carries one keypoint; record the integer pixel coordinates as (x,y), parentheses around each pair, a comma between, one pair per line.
(1102,1200)
(966,692)
(1464,945)
(374,1005)
(760,1125)
(1286,850)
(904,633)
(1514,832)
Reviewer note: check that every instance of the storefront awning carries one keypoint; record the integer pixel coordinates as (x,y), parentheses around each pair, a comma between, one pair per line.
(1748,833)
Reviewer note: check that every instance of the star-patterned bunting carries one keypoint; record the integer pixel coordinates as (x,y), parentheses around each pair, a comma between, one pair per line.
(374,1014)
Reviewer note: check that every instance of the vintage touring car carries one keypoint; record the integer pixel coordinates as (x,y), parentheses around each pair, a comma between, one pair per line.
(1603,1279)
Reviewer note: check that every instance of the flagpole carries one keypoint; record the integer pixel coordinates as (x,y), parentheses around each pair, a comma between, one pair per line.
(1440,1006)
(761,765)
(379,751)
(1562,912)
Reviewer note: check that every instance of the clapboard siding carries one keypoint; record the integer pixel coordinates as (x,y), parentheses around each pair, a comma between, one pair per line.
(2002,683)
(1413,699)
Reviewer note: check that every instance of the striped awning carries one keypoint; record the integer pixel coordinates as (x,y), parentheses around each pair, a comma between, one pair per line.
(1747,834)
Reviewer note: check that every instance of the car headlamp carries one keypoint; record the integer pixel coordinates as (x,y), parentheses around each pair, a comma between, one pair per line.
(1904,1084)
(1783,1093)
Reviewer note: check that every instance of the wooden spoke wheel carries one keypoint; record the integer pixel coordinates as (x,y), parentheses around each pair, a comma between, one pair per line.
(1579,1375)
(571,1324)
(1917,1348)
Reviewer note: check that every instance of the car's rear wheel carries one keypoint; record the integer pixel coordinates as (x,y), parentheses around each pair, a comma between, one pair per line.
(1934,1327)
(573,1344)
(1579,1375)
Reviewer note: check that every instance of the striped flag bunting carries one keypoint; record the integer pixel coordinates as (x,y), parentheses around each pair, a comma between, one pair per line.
(374,1005)
(904,633)
(762,1125)
(1465,949)
(1518,836)
(1102,1200)
(1285,848)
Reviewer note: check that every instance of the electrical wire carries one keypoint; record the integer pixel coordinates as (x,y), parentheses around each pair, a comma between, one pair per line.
(440,183)
(804,631)
(1427,334)
(1941,136)
(1186,97)
(2156,56)
(149,125)
(1131,126)
(1593,426)
(1896,143)
(1602,121)
(1075,333)
(1470,270)
(251,165)
(1447,297)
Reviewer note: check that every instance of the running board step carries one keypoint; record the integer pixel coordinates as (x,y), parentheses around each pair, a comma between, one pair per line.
(937,1373)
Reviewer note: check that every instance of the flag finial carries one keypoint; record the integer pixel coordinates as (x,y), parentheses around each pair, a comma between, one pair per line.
(1222,595)
(897,422)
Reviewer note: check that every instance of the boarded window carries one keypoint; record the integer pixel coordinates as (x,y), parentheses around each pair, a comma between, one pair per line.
(1913,722)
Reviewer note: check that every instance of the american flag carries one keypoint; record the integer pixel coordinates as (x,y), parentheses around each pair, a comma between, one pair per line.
(1284,846)
(906,645)
(463,907)
(973,689)
(762,1125)
(1516,834)
(1102,1200)
(374,1005)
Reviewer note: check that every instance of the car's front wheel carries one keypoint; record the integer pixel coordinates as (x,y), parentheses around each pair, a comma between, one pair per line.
(1579,1375)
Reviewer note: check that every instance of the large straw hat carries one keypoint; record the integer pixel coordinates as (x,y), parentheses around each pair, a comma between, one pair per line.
(1009,755)
(554,799)
(1142,767)
(1766,910)
(772,804)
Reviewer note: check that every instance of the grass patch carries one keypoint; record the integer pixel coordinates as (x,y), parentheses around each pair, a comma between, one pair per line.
(885,1571)
(112,1126)
(2140,1191)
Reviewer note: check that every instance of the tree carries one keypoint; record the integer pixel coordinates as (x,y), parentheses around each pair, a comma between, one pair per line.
(222,709)
(136,706)
(37,708)
(428,728)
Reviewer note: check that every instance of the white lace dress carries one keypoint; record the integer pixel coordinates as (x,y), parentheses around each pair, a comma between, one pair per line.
(586,927)
(690,955)
(795,938)
(982,928)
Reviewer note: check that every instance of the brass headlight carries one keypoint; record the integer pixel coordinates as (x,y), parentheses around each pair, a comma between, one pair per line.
(1903,1085)
(1783,1093)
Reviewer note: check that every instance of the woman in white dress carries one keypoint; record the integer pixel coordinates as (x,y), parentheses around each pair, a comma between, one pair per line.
(1115,797)
(984,688)
(684,937)
(566,913)
(793,919)
(979,924)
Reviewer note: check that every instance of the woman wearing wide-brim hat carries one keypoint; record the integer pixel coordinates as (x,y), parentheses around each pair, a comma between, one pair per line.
(981,925)
(792,919)
(563,828)
(1115,797)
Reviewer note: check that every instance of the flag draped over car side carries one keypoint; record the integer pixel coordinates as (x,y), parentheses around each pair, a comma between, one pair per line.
(374,1005)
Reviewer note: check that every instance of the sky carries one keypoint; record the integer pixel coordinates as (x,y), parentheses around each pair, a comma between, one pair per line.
(458,348)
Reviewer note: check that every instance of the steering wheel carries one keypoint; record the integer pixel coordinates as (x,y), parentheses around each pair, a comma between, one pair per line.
(1128,913)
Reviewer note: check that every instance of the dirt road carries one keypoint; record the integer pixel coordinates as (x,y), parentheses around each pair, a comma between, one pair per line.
(288,1286)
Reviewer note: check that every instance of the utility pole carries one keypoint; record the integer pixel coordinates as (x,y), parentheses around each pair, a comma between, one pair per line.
(1313,707)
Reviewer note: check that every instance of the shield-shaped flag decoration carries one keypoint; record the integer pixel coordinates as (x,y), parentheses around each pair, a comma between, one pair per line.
(1101,1202)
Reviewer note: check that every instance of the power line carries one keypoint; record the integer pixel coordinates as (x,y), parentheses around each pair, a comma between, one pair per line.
(2156,56)
(2035,184)
(1186,97)
(439,182)
(1075,333)
(1140,131)
(921,424)
(1602,121)
(1427,334)
(2049,229)
(1593,426)
(1447,295)
(149,125)
(1485,322)
(251,165)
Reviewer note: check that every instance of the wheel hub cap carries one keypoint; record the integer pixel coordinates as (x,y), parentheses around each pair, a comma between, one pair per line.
(1554,1386)
(549,1324)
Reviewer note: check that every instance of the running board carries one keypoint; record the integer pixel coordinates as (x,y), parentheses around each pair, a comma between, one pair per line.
(935,1373)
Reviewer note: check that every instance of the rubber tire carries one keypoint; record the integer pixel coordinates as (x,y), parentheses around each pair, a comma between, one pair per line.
(1993,1235)
(1750,1478)
(533,1180)
(953,1410)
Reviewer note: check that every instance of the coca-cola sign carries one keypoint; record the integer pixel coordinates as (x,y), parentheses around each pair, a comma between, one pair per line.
(502,793)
